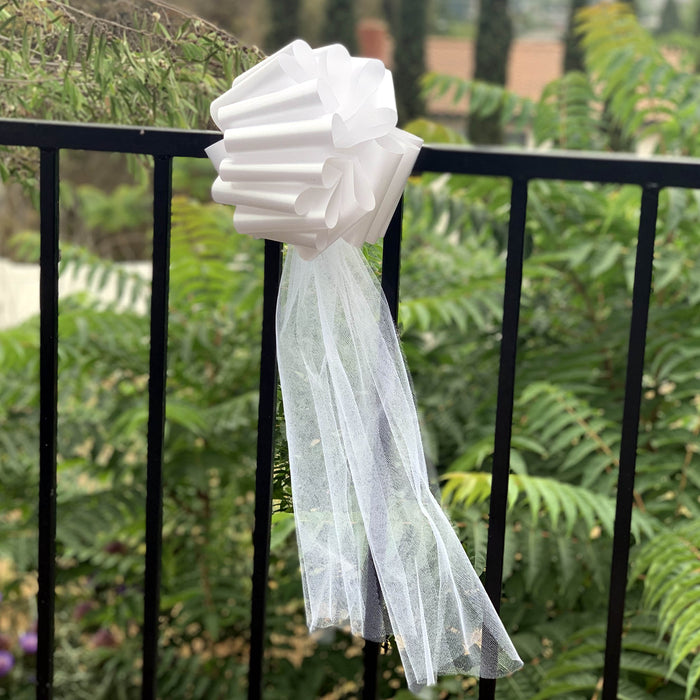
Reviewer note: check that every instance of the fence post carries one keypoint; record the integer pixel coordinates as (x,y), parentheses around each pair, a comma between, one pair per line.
(267,416)
(48,418)
(158,365)
(641,293)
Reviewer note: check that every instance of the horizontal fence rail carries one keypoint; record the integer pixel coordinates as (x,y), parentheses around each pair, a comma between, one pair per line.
(574,166)
(650,174)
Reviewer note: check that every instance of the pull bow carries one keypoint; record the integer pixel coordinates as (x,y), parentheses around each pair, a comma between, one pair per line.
(311,156)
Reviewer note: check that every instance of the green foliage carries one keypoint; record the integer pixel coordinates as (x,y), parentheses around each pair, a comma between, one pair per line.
(663,109)
(565,116)
(160,67)
(579,669)
(670,563)
(578,272)
(433,132)
(644,96)
(212,396)
(570,384)
(579,250)
(546,498)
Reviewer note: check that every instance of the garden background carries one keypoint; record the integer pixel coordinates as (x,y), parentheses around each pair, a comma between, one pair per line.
(154,65)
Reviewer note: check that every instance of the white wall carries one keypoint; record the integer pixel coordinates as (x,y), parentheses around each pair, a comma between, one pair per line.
(19,290)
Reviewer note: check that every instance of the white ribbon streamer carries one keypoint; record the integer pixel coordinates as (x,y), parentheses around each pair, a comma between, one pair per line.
(311,157)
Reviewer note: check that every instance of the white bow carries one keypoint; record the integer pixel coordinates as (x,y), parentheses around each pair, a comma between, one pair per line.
(311,156)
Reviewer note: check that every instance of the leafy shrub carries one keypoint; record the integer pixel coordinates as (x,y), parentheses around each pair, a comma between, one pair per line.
(575,314)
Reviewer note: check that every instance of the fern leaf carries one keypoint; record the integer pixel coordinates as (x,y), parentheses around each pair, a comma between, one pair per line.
(567,561)
(535,561)
(648,666)
(671,562)
(534,497)
(693,677)
(629,691)
(688,596)
(685,637)
(573,502)
(574,684)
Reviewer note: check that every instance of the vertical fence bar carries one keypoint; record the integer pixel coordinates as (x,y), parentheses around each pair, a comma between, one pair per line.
(391,264)
(158,363)
(267,414)
(504,409)
(48,419)
(391,261)
(630,429)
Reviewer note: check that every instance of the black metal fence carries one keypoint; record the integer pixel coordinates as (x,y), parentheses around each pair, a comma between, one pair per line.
(163,145)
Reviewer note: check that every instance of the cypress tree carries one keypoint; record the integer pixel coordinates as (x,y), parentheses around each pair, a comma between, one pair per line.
(339,24)
(391,14)
(670,18)
(493,39)
(573,53)
(284,23)
(695,28)
(409,58)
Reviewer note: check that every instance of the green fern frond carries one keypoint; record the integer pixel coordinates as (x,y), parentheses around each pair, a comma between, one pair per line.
(433,132)
(642,663)
(622,56)
(573,430)
(693,677)
(545,497)
(574,684)
(484,98)
(568,114)
(463,308)
(670,566)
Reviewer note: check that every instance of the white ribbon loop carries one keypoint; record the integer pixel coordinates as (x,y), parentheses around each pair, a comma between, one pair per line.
(321,125)
(311,156)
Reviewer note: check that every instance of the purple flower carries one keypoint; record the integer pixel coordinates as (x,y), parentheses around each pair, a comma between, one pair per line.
(103,638)
(82,609)
(7,662)
(28,642)
(116,547)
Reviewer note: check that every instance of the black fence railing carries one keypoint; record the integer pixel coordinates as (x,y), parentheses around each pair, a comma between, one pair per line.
(163,145)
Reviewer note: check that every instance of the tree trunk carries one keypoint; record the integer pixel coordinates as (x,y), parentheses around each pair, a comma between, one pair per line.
(696,31)
(494,36)
(409,58)
(670,18)
(339,24)
(391,14)
(573,54)
(284,23)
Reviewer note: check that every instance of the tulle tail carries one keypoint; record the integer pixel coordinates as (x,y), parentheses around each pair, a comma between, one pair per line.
(378,555)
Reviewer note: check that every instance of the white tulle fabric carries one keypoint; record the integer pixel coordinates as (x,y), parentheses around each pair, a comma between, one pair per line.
(311,157)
